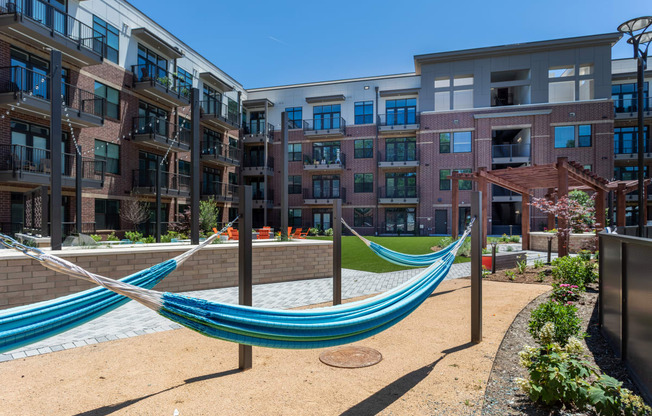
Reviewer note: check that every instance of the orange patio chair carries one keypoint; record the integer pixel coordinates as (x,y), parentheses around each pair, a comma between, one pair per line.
(232,233)
(297,233)
(289,232)
(303,235)
(263,233)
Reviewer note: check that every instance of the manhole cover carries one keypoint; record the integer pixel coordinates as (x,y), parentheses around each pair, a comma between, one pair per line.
(351,357)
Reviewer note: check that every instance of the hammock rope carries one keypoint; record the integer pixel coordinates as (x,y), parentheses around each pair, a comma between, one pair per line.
(27,324)
(411,260)
(294,329)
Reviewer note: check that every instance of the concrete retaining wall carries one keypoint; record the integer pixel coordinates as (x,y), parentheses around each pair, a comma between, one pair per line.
(24,280)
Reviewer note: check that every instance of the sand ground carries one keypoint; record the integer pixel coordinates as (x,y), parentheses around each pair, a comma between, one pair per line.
(429,367)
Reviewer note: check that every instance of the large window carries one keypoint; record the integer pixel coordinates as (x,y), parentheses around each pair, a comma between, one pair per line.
(326,117)
(626,140)
(400,220)
(112,97)
(211,182)
(152,119)
(212,143)
(444,182)
(294,217)
(326,186)
(364,112)
(403,149)
(326,152)
(151,65)
(462,184)
(184,79)
(401,112)
(110,153)
(401,185)
(295,117)
(107,214)
(211,100)
(294,184)
(461,142)
(573,136)
(363,182)
(363,217)
(294,152)
(363,148)
(111,36)
(461,92)
(628,173)
(565,83)
(625,97)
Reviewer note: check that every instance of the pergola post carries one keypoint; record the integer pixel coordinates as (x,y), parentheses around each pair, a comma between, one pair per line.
(600,211)
(455,210)
(562,191)
(551,217)
(525,221)
(621,205)
(644,207)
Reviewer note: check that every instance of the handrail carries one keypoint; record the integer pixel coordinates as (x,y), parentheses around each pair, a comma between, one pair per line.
(410,191)
(220,149)
(325,123)
(258,127)
(219,188)
(511,150)
(309,161)
(399,119)
(146,178)
(328,193)
(154,125)
(225,109)
(407,156)
(630,105)
(151,73)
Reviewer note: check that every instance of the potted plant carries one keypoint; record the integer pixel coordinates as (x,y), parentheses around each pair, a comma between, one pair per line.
(486,258)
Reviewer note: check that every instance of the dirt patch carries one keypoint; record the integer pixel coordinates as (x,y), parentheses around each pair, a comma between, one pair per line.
(429,367)
(538,276)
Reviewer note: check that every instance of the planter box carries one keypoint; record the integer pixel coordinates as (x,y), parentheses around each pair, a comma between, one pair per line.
(504,259)
(539,241)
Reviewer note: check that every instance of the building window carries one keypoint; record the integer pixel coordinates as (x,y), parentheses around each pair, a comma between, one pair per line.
(325,186)
(294,184)
(402,149)
(184,80)
(363,148)
(573,136)
(588,167)
(294,217)
(211,182)
(107,214)
(111,36)
(211,100)
(628,173)
(444,142)
(401,185)
(152,119)
(294,152)
(625,97)
(295,117)
(563,81)
(233,178)
(626,140)
(151,65)
(112,99)
(401,112)
(363,217)
(442,101)
(461,142)
(184,168)
(326,152)
(326,116)
(444,182)
(363,182)
(364,112)
(110,153)
(400,220)
(464,185)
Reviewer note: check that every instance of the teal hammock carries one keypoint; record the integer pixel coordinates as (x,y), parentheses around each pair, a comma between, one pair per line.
(25,325)
(411,260)
(293,329)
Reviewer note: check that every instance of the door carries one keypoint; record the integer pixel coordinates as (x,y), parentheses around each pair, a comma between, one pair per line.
(441,221)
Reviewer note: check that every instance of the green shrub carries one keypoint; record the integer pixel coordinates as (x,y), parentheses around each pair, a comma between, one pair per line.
(313,231)
(167,238)
(563,316)
(510,274)
(133,236)
(538,264)
(574,271)
(584,255)
(465,248)
(596,255)
(564,293)
(112,237)
(510,248)
(514,239)
(521,266)
(504,238)
(328,232)
(148,239)
(96,237)
(445,242)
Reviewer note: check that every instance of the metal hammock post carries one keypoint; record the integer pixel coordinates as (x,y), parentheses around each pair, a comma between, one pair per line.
(337,252)
(476,268)
(244,267)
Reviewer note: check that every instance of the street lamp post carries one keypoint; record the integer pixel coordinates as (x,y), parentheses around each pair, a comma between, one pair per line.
(639,38)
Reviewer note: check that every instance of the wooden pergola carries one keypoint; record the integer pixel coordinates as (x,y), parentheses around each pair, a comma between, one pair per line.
(560,176)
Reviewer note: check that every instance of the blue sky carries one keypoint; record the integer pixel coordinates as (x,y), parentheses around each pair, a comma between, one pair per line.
(266,43)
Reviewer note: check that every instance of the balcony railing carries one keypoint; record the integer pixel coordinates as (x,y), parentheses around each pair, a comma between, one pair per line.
(226,111)
(220,150)
(258,127)
(163,79)
(257,162)
(630,105)
(220,190)
(399,157)
(325,125)
(259,195)
(160,127)
(172,183)
(36,84)
(325,193)
(332,163)
(398,119)
(27,159)
(398,192)
(57,21)
(510,151)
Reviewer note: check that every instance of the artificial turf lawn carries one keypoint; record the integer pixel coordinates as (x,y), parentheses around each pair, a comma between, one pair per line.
(356,255)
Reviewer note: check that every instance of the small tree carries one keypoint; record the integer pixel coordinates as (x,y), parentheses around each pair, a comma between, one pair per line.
(209,212)
(134,211)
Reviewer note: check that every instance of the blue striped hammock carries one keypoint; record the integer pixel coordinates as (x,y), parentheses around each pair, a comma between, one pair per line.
(293,329)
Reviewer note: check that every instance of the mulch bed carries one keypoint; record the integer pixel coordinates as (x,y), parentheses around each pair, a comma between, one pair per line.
(503,397)
(540,276)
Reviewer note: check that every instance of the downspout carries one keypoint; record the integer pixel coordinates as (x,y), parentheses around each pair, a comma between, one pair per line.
(265,155)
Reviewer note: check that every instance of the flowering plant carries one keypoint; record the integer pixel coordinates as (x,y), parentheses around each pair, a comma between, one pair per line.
(565,293)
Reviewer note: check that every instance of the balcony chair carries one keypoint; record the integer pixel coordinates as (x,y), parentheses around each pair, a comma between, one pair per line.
(297,233)
(302,235)
(263,234)
(233,233)
(289,232)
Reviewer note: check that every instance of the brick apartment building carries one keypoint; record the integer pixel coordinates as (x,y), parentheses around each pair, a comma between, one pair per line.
(384,144)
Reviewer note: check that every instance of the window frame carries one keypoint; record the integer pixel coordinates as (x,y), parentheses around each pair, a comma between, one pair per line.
(295,117)
(110,32)
(114,216)
(106,157)
(577,137)
(109,104)
(367,112)
(293,154)
(363,183)
(292,184)
(363,152)
(359,216)
(444,182)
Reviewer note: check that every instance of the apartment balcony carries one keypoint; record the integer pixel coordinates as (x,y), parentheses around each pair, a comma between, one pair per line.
(219,191)
(254,132)
(28,91)
(631,155)
(172,184)
(627,108)
(510,153)
(223,115)
(38,23)
(159,85)
(500,194)
(323,196)
(401,195)
(398,123)
(220,154)
(409,159)
(259,200)
(324,127)
(256,166)
(158,133)
(26,165)
(315,165)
